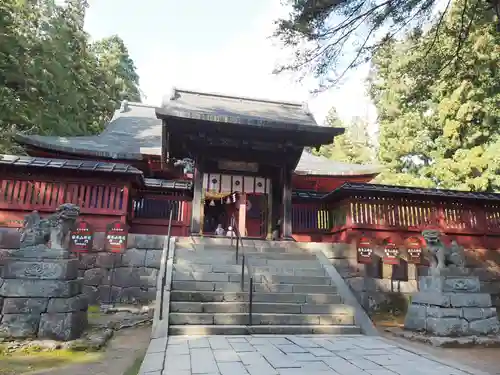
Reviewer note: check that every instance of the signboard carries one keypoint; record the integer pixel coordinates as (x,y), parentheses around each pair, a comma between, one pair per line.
(365,250)
(391,253)
(116,237)
(414,249)
(81,237)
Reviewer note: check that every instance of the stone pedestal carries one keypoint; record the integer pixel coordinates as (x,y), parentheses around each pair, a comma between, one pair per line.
(451,306)
(41,295)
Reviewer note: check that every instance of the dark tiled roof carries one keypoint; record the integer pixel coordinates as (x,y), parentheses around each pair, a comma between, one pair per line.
(307,194)
(310,164)
(136,131)
(390,190)
(168,184)
(237,110)
(80,165)
(129,135)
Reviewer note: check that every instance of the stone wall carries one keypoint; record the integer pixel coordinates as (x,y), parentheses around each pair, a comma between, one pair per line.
(376,290)
(125,278)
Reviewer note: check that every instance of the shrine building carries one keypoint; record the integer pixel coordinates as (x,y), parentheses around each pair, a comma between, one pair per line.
(209,158)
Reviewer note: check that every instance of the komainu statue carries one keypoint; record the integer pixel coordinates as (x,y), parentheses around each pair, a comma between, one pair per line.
(442,256)
(55,228)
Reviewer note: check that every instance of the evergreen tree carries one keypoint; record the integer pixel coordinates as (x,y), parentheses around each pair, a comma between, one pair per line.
(51,81)
(351,147)
(330,37)
(439,121)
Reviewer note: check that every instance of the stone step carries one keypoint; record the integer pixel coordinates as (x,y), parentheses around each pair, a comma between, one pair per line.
(284,263)
(210,296)
(259,318)
(295,288)
(259,307)
(202,330)
(257,270)
(315,280)
(207,276)
(280,256)
(257,287)
(221,261)
(288,271)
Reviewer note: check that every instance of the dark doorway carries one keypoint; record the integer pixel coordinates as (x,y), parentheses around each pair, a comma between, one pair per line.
(215,213)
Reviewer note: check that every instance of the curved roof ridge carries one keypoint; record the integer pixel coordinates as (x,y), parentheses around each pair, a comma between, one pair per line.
(227,96)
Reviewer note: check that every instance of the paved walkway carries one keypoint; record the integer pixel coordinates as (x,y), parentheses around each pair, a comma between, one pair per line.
(294,355)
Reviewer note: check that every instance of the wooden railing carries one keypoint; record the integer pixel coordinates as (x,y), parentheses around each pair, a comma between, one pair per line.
(310,218)
(397,218)
(150,213)
(382,213)
(47,196)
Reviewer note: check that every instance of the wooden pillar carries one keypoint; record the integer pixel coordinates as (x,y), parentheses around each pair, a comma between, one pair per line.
(287,203)
(242,215)
(198,204)
(270,223)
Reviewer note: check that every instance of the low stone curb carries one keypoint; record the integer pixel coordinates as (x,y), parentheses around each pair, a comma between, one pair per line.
(153,362)
(431,357)
(448,342)
(361,318)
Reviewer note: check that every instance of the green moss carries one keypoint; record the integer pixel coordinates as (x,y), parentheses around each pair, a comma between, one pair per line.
(23,361)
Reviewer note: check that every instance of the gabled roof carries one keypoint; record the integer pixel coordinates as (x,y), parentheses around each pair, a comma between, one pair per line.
(135,131)
(237,110)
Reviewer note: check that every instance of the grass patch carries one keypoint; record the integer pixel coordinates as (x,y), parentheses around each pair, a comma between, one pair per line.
(21,362)
(134,369)
(94,310)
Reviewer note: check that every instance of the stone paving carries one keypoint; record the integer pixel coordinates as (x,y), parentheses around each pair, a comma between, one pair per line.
(291,355)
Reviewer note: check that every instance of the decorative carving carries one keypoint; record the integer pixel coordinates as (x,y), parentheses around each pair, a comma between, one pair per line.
(56,228)
(441,256)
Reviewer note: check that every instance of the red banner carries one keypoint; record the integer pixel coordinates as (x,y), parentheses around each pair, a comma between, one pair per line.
(365,250)
(82,237)
(414,249)
(116,237)
(391,253)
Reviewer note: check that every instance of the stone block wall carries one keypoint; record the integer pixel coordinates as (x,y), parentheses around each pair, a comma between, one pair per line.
(124,278)
(376,291)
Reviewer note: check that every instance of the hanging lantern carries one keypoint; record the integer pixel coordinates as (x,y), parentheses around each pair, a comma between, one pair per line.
(212,203)
(228,200)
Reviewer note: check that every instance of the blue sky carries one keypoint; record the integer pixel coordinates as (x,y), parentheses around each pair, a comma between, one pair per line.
(216,46)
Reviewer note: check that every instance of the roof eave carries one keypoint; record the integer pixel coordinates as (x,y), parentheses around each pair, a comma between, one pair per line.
(169,113)
(23,139)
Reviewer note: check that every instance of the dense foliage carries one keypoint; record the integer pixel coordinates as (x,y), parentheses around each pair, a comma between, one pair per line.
(329,37)
(52,80)
(354,146)
(439,116)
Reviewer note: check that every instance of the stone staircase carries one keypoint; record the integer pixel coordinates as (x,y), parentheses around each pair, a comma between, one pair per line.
(292,293)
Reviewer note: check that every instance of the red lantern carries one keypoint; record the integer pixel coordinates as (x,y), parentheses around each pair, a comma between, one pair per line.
(414,249)
(391,253)
(116,237)
(82,237)
(365,250)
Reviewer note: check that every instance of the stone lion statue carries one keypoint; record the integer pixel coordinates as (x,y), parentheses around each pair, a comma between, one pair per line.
(442,256)
(55,228)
